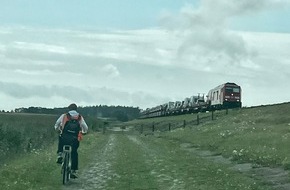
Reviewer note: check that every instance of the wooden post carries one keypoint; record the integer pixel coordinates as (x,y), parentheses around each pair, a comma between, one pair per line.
(122,129)
(104,129)
(184,123)
(197,119)
(212,115)
(105,125)
(141,131)
(153,127)
(227,111)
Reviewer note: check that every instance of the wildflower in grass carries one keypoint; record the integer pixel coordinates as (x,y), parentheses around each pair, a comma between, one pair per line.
(235,152)
(241,152)
(219,170)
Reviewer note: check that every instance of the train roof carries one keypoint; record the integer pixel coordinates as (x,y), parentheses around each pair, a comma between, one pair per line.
(225,84)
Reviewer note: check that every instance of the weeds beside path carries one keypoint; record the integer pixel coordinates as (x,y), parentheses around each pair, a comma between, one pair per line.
(125,162)
(122,161)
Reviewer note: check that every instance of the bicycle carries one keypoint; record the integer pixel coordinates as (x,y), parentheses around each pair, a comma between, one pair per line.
(66,164)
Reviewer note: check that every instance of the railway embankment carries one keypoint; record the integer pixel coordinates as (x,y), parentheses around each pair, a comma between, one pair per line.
(242,149)
(254,141)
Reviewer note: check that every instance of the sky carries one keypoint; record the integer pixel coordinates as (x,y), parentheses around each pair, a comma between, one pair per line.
(141,53)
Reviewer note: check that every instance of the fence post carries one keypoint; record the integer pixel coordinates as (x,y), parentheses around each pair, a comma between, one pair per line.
(104,126)
(184,123)
(197,119)
(212,115)
(169,127)
(153,127)
(141,131)
(227,111)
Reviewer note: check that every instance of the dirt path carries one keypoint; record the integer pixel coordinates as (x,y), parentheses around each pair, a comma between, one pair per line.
(96,175)
(278,178)
(137,162)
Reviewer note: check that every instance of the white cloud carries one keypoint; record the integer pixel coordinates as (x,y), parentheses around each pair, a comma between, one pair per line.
(40,47)
(111,70)
(193,52)
(27,72)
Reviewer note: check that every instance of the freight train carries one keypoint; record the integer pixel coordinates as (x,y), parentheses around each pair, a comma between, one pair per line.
(227,95)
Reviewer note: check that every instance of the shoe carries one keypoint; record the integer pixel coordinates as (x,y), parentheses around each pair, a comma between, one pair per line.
(59,158)
(74,174)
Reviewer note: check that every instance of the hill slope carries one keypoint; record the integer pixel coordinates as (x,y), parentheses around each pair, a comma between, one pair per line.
(244,149)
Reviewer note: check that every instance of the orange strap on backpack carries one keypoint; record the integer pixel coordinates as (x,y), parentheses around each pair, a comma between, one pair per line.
(65,119)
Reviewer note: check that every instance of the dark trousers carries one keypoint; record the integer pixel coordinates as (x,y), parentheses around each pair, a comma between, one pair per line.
(73,141)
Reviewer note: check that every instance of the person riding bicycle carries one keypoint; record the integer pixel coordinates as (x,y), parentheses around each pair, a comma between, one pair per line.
(70,136)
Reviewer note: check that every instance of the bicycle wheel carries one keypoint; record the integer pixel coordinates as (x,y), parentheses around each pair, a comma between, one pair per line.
(65,169)
(68,171)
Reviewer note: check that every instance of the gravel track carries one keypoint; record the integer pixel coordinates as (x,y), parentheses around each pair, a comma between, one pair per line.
(278,178)
(165,174)
(96,175)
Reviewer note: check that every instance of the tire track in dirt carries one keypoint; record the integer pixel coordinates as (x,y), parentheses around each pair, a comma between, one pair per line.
(96,175)
(277,177)
(160,169)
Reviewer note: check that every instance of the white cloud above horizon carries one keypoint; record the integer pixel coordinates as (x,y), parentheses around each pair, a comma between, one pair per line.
(191,52)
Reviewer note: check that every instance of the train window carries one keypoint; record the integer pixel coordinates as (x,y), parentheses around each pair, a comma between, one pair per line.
(236,90)
(230,90)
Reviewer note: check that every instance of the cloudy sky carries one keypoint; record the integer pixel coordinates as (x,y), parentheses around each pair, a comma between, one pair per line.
(141,53)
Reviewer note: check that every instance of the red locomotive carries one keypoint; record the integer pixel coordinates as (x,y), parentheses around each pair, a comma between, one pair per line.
(224,96)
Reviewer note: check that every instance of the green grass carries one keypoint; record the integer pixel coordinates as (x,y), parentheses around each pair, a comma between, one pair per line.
(28,150)
(196,172)
(23,133)
(259,135)
(130,167)
(20,133)
(38,170)
(32,171)
(156,163)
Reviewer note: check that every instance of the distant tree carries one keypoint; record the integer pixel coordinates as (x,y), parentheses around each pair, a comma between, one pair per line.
(121,113)
(121,116)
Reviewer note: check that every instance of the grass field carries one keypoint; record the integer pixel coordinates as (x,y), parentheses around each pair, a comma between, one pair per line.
(38,170)
(28,150)
(125,159)
(260,134)
(20,133)
(24,133)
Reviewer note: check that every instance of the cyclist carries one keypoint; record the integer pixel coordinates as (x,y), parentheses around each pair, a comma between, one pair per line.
(68,138)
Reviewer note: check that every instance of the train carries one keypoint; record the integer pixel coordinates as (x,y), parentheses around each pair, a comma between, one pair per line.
(224,96)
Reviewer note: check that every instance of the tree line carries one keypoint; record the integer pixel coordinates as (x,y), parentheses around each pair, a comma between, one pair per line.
(121,113)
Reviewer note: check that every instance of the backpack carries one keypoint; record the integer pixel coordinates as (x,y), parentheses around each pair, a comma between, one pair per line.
(72,126)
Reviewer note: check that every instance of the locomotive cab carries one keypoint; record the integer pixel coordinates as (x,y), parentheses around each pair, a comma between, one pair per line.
(227,95)
(232,96)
